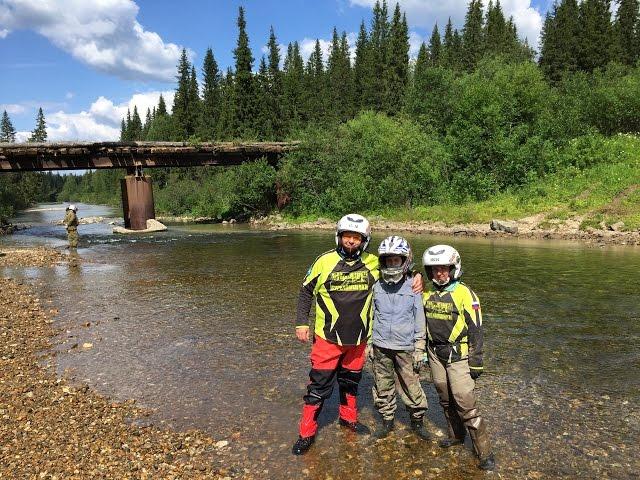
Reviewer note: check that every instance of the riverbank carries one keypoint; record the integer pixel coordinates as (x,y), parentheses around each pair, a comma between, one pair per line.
(532,227)
(51,428)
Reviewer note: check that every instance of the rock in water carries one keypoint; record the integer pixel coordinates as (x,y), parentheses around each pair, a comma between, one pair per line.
(504,226)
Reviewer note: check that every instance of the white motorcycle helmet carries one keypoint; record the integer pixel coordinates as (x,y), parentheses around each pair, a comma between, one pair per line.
(442,255)
(73,208)
(354,223)
(394,245)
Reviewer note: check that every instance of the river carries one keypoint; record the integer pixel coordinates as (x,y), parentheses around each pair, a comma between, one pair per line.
(196,323)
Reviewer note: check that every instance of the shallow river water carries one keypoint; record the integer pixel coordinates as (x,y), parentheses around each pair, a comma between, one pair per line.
(196,323)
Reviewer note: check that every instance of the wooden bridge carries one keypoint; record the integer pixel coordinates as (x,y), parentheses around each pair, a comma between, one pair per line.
(137,192)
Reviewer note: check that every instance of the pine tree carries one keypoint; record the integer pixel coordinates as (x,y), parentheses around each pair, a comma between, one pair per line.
(182,99)
(595,34)
(210,97)
(7,132)
(625,46)
(243,88)
(435,48)
(39,134)
(397,71)
(275,90)
(472,38)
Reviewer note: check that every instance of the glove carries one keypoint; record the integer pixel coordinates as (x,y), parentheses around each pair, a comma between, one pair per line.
(475,374)
(420,359)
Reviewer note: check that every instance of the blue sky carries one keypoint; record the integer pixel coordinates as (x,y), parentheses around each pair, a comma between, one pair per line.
(85,62)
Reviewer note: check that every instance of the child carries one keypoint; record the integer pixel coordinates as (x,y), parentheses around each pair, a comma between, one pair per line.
(454,330)
(398,338)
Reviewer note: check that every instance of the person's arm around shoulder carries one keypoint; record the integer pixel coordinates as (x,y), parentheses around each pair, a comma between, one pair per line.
(420,330)
(473,317)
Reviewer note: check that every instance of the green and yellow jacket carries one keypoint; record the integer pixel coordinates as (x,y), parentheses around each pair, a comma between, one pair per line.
(454,323)
(343,292)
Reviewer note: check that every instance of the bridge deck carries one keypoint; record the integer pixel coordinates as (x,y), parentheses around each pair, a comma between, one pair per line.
(15,157)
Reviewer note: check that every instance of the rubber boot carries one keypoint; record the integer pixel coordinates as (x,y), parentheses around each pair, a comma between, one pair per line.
(417,425)
(302,445)
(355,427)
(385,429)
(487,463)
(450,442)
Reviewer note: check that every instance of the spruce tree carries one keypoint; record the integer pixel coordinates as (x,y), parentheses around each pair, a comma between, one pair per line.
(243,120)
(39,134)
(497,34)
(397,71)
(263,103)
(449,59)
(127,127)
(315,86)
(472,36)
(293,84)
(7,132)
(378,48)
(123,131)
(182,99)
(362,71)
(339,79)
(210,111)
(195,107)
(435,48)
(560,41)
(162,107)
(225,127)
(457,50)
(135,125)
(625,46)
(147,124)
(595,34)
(275,88)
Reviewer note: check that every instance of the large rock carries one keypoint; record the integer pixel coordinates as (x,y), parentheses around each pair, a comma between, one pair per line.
(504,226)
(152,226)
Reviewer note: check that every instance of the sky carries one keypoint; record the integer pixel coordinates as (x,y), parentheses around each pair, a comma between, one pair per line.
(86,61)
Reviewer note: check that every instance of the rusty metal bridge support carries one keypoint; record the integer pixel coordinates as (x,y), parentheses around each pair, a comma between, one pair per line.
(137,200)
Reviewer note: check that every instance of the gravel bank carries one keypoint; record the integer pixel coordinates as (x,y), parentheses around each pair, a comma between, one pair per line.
(50,428)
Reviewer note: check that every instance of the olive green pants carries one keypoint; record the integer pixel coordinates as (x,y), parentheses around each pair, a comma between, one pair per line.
(393,370)
(72,236)
(457,397)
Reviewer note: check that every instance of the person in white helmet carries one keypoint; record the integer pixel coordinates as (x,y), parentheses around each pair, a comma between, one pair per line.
(398,339)
(341,281)
(455,342)
(71,223)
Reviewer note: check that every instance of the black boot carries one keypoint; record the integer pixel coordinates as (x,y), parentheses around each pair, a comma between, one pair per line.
(385,429)
(302,445)
(487,463)
(417,425)
(450,442)
(355,427)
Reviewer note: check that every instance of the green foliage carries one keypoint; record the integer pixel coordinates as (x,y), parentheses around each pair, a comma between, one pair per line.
(382,162)
(7,132)
(39,134)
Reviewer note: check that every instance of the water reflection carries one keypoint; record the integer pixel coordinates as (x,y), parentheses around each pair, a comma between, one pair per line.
(198,324)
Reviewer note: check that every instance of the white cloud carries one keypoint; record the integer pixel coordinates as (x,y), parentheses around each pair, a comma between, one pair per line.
(103,34)
(425,13)
(12,108)
(102,120)
(308,45)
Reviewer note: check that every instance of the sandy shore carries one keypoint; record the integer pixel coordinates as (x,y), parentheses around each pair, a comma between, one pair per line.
(527,228)
(53,429)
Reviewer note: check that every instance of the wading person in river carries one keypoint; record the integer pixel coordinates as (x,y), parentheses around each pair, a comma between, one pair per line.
(455,341)
(398,339)
(341,281)
(71,223)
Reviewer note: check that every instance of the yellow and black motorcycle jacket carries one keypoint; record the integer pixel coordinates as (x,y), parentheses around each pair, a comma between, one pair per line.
(454,324)
(343,291)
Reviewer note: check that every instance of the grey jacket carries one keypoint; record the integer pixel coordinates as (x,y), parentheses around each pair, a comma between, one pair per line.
(398,316)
